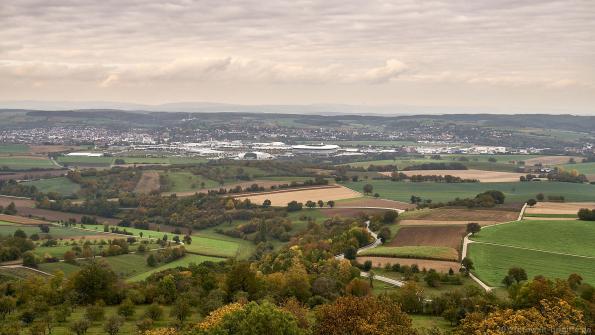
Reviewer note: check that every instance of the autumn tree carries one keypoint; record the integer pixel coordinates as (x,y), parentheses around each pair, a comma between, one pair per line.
(368,315)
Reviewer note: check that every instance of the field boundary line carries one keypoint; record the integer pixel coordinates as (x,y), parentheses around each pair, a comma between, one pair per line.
(531,249)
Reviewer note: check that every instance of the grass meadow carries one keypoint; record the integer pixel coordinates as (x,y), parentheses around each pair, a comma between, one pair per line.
(514,191)
(554,249)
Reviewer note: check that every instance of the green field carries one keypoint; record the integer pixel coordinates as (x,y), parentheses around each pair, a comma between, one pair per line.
(85,161)
(503,162)
(205,242)
(181,181)
(515,191)
(183,262)
(428,322)
(585,168)
(25,163)
(565,236)
(423,252)
(550,248)
(492,263)
(60,185)
(6,148)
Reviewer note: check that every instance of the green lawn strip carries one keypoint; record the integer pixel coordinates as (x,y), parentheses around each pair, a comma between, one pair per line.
(26,163)
(492,262)
(85,161)
(183,262)
(60,185)
(429,321)
(586,168)
(562,236)
(183,181)
(4,223)
(187,160)
(423,252)
(514,191)
(550,215)
(6,148)
(129,326)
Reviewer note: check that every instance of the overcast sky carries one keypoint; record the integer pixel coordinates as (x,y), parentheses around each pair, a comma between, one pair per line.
(508,55)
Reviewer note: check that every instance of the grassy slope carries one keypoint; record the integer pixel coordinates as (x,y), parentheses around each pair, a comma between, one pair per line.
(187,260)
(516,192)
(563,236)
(492,263)
(60,185)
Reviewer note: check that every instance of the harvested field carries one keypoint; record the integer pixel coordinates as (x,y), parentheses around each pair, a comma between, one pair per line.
(481,175)
(440,266)
(282,198)
(26,207)
(551,160)
(559,207)
(350,212)
(20,220)
(461,214)
(439,236)
(20,203)
(443,222)
(149,181)
(372,202)
(416,252)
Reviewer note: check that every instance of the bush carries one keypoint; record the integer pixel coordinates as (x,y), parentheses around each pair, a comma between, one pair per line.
(126,308)
(586,214)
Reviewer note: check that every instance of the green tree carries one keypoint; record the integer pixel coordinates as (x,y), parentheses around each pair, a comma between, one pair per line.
(330,203)
(473,228)
(126,308)
(181,310)
(29,259)
(531,202)
(154,312)
(368,189)
(432,278)
(152,261)
(95,281)
(266,204)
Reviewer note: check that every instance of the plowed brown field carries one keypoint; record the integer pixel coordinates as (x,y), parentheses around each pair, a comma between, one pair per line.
(440,266)
(438,236)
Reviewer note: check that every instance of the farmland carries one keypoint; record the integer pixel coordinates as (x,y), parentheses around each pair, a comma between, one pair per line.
(569,208)
(555,249)
(26,162)
(6,148)
(182,181)
(462,214)
(60,185)
(585,168)
(441,236)
(481,175)
(423,252)
(440,266)
(514,192)
(281,198)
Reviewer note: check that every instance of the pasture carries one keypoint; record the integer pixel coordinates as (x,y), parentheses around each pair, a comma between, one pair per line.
(60,185)
(282,198)
(183,181)
(554,248)
(514,192)
(9,148)
(585,168)
(26,162)
(423,252)
(85,161)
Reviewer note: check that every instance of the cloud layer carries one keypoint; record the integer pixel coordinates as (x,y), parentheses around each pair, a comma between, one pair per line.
(303,51)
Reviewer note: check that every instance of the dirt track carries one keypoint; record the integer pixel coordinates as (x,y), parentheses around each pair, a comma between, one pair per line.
(302,195)
(440,266)
(148,182)
(438,236)
(559,207)
(481,175)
